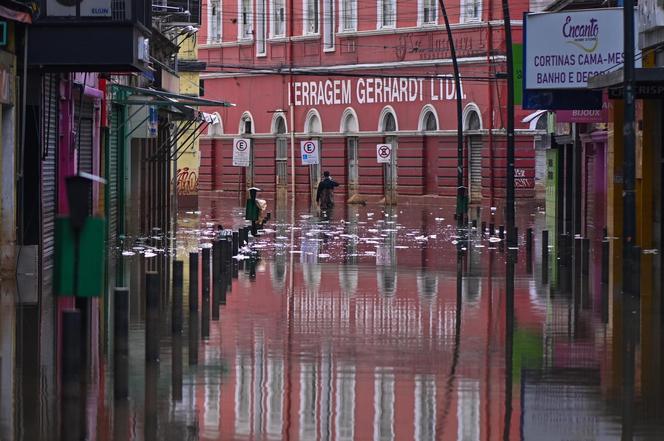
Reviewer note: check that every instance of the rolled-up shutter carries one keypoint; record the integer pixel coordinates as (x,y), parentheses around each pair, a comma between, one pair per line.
(83,114)
(49,119)
(476,169)
(112,200)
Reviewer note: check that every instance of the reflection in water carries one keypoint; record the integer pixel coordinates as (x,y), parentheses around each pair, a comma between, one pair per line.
(337,342)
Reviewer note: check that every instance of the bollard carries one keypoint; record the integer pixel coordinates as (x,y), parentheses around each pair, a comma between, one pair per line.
(216,260)
(474,223)
(483,227)
(529,240)
(235,269)
(227,255)
(193,282)
(492,229)
(121,343)
(585,267)
(71,344)
(152,327)
(501,232)
(545,246)
(176,369)
(176,304)
(236,242)
(193,338)
(151,403)
(606,248)
(205,299)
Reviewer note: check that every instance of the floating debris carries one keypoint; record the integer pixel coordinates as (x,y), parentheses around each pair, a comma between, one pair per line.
(128,253)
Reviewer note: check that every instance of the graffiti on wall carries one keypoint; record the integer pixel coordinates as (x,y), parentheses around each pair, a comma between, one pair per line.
(187,181)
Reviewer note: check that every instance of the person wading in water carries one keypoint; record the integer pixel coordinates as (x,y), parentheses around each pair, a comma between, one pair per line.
(325,193)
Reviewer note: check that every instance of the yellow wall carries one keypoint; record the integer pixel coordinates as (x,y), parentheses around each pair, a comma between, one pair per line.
(189,162)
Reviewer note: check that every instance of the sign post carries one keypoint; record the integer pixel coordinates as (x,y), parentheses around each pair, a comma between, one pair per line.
(383,153)
(241,152)
(309,152)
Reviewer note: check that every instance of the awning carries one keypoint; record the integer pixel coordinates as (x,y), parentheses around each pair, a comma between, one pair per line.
(649,82)
(168,98)
(533,118)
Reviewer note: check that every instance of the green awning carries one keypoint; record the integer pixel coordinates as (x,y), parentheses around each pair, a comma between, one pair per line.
(167,98)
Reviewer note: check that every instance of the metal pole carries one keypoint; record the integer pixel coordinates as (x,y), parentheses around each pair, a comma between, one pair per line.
(509,185)
(629,200)
(459,109)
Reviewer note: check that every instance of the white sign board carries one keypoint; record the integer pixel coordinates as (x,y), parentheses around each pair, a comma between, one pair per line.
(564,50)
(309,150)
(241,152)
(88,8)
(383,153)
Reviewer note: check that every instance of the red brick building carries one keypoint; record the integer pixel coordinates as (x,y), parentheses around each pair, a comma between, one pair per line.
(353,74)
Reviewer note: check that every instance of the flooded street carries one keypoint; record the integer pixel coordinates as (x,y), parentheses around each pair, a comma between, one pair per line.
(373,324)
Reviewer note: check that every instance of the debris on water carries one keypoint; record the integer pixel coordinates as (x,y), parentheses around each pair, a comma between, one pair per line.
(296,252)
(128,253)
(421,238)
(439,219)
(479,246)
(433,236)
(149,254)
(305,216)
(650,251)
(241,257)
(454,242)
(370,214)
(323,255)
(494,239)
(282,237)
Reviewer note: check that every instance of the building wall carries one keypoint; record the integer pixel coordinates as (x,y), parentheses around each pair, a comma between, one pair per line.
(368,71)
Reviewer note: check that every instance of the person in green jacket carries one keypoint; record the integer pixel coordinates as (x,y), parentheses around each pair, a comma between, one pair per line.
(252,211)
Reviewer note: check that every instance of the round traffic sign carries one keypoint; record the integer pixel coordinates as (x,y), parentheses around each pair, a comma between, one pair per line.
(309,147)
(241,145)
(384,151)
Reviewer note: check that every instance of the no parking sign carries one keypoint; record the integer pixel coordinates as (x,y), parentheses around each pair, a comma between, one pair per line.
(309,151)
(384,153)
(241,152)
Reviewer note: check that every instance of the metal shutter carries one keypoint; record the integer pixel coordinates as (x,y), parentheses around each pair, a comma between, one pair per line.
(113,176)
(83,118)
(49,119)
(475,168)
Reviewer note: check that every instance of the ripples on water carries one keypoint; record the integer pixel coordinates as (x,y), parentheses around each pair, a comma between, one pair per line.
(366,326)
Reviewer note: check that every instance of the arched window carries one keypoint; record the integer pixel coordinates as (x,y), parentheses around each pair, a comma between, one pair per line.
(390,123)
(474,121)
(313,124)
(280,125)
(349,123)
(246,124)
(430,123)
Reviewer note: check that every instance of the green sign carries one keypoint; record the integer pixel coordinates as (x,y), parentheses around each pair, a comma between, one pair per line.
(90,275)
(517,64)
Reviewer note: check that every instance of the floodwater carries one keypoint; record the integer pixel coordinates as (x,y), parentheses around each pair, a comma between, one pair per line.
(373,324)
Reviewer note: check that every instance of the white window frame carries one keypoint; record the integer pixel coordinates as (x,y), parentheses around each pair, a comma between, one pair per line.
(329,33)
(306,18)
(211,38)
(380,21)
(420,12)
(245,31)
(261,27)
(342,16)
(464,18)
(274,19)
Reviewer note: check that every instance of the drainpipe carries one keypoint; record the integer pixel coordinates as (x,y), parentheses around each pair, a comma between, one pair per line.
(21,152)
(490,87)
(459,105)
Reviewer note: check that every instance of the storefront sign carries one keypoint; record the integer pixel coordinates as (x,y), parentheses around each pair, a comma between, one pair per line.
(381,90)
(584,116)
(241,152)
(153,122)
(563,50)
(88,8)
(384,153)
(309,150)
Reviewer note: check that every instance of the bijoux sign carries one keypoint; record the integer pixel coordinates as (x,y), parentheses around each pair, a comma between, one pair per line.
(564,50)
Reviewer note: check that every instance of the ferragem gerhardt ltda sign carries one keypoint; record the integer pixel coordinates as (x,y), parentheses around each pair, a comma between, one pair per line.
(563,50)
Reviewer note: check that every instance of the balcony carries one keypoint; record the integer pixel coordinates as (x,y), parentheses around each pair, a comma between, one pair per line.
(91,35)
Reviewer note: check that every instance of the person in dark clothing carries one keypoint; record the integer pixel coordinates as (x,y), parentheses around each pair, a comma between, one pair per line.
(252,211)
(325,193)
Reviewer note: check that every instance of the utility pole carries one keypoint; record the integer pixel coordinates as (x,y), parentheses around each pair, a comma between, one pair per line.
(461,205)
(509,184)
(631,254)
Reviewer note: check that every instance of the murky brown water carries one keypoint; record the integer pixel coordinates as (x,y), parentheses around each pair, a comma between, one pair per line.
(372,325)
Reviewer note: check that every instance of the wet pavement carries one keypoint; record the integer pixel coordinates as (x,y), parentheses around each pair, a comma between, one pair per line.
(373,324)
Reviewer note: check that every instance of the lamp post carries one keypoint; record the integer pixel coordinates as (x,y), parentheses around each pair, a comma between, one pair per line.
(461,206)
(509,184)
